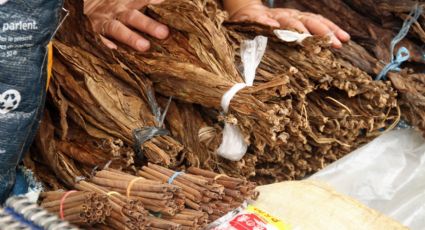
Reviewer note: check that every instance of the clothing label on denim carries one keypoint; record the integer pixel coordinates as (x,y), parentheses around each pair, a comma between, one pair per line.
(16,35)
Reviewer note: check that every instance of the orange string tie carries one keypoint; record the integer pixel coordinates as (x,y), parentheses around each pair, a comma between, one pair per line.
(220,176)
(130,185)
(112,193)
(62,216)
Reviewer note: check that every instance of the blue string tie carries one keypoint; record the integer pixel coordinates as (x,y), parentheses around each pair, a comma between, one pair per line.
(403,53)
(174,176)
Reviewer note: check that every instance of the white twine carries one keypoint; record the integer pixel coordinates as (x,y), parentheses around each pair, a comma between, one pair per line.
(233,146)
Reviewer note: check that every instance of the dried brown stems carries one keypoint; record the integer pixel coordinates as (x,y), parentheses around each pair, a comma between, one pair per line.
(80,208)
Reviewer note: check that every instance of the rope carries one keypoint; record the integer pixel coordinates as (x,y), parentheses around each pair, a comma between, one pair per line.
(403,53)
(144,134)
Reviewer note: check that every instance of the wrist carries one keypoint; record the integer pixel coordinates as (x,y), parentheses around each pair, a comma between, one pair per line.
(234,6)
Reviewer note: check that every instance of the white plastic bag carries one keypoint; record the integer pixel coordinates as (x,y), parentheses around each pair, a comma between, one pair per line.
(291,36)
(387,174)
(233,146)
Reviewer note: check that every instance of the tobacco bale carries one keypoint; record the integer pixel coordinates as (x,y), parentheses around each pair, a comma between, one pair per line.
(287,72)
(45,144)
(202,74)
(185,122)
(382,19)
(412,99)
(378,26)
(41,171)
(109,106)
(307,108)
(126,213)
(390,13)
(333,108)
(81,208)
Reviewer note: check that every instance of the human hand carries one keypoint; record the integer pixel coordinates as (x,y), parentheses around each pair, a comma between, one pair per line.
(117,20)
(291,18)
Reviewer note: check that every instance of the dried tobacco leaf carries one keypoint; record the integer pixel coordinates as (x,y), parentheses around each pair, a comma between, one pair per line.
(381,20)
(309,105)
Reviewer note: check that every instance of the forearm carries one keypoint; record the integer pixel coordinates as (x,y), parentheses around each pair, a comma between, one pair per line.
(233,6)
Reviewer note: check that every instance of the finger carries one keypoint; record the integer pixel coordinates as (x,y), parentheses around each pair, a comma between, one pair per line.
(138,4)
(287,18)
(266,20)
(290,13)
(118,31)
(141,22)
(293,24)
(339,33)
(156,2)
(108,43)
(315,26)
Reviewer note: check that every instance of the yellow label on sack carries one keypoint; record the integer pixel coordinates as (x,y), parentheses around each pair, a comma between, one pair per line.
(271,220)
(49,63)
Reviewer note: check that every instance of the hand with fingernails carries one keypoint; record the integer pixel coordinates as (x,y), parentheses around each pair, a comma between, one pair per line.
(254,10)
(118,20)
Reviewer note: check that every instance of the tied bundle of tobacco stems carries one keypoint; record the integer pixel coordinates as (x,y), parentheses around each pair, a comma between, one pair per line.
(203,193)
(307,108)
(331,108)
(305,99)
(125,214)
(189,219)
(158,223)
(381,21)
(198,192)
(96,93)
(108,101)
(155,196)
(371,39)
(199,68)
(237,189)
(79,153)
(77,207)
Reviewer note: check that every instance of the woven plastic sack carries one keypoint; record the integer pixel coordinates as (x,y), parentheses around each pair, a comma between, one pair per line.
(26,27)
(387,174)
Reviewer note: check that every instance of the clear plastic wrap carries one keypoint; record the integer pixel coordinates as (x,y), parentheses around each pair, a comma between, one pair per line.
(387,174)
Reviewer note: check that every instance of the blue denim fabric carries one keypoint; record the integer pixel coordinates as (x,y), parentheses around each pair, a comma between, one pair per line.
(26,27)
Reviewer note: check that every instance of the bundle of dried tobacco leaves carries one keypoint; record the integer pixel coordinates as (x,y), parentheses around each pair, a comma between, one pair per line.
(370,50)
(308,107)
